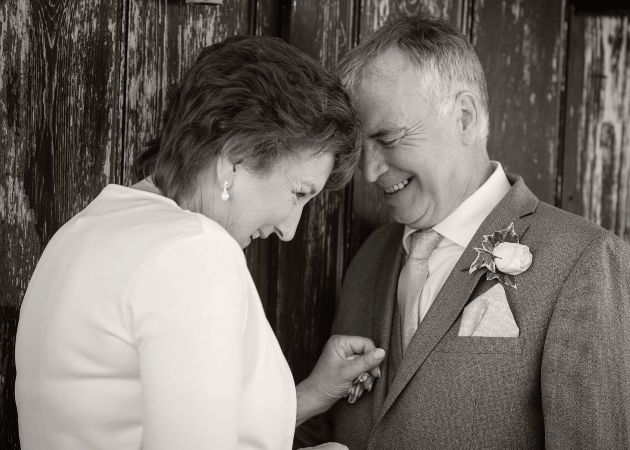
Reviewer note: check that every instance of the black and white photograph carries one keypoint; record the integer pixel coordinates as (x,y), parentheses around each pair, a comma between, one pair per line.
(314,224)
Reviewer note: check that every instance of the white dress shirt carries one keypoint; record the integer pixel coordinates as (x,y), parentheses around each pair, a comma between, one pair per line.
(458,229)
(142,328)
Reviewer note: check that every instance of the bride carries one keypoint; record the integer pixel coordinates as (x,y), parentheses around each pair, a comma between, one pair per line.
(141,326)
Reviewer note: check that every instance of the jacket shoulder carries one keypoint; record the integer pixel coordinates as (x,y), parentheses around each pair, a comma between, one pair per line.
(565,227)
(562,243)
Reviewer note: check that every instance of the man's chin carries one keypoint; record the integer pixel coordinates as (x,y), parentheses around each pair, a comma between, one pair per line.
(410,222)
(404,218)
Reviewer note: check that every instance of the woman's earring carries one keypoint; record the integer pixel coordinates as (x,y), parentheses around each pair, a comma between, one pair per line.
(224,195)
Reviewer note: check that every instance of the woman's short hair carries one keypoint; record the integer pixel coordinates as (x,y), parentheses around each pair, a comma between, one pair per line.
(255,100)
(445,59)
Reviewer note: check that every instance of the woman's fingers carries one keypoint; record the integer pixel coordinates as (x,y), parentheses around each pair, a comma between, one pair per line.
(365,357)
(352,345)
(346,367)
(328,446)
(365,363)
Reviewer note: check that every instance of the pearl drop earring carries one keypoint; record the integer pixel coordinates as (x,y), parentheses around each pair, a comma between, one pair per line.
(224,195)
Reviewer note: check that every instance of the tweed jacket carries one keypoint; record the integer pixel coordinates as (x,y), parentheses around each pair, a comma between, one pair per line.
(564,382)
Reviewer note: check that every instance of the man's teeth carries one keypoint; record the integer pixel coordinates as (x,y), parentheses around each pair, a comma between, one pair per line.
(397,187)
(256,235)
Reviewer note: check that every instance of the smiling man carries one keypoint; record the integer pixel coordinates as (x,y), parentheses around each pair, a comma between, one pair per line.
(424,168)
(506,321)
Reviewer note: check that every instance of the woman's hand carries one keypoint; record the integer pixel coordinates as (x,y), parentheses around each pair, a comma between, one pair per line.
(344,358)
(328,446)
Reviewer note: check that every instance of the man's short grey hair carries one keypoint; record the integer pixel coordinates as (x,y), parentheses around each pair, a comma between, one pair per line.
(446,61)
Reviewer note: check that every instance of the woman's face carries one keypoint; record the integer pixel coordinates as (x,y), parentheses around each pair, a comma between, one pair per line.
(262,204)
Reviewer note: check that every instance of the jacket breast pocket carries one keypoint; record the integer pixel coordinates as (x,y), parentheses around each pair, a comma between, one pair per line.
(481,345)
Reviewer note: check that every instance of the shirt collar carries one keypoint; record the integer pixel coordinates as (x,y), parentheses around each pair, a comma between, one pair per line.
(462,224)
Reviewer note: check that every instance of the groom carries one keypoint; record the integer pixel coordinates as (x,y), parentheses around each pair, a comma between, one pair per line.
(506,321)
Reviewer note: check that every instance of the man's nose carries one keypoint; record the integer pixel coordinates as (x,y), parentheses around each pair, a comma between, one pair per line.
(286,230)
(372,163)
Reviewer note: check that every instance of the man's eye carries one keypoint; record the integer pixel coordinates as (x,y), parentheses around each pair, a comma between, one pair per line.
(391,143)
(300,194)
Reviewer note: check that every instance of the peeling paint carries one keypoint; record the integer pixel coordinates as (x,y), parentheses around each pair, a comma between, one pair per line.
(527,55)
(603,141)
(523,85)
(61,109)
(517,10)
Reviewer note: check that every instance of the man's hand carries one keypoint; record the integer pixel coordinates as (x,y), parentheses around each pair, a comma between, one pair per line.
(344,358)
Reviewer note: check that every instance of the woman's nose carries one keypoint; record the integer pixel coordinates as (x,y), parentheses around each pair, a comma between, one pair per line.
(372,163)
(286,230)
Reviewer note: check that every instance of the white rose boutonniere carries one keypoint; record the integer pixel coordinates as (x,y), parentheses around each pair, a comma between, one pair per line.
(512,258)
(502,256)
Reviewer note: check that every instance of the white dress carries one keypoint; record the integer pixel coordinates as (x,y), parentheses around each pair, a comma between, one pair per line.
(142,328)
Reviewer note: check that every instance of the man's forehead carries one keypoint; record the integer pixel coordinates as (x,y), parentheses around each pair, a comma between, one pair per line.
(389,67)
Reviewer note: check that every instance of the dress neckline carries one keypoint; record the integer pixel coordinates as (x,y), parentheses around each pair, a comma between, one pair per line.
(140,193)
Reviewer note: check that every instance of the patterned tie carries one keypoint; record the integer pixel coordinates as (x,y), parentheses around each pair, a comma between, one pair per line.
(412,278)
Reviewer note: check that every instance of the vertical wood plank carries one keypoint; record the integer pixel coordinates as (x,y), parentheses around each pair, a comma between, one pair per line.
(59,105)
(369,210)
(261,254)
(164,38)
(159,52)
(322,29)
(520,45)
(597,163)
(374,13)
(309,268)
(267,18)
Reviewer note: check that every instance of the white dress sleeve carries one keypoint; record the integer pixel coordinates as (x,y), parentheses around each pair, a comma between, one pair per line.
(187,309)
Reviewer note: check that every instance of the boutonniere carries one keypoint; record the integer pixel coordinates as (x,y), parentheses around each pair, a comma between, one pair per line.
(502,257)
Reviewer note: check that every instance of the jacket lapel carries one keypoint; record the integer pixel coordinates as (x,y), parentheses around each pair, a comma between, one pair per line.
(448,305)
(385,299)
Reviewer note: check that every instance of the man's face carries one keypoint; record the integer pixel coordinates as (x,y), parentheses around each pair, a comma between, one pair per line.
(416,158)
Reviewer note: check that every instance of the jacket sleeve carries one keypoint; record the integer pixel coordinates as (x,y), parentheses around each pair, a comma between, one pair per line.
(585,373)
(187,309)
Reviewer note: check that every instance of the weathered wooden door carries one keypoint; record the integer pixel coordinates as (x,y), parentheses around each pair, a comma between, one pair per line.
(596,172)
(82,85)
(60,116)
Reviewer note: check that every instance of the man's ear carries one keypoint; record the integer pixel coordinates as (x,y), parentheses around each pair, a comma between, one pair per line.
(469,115)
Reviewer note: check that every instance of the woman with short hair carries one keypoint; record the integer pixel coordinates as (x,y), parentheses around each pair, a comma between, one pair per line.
(141,326)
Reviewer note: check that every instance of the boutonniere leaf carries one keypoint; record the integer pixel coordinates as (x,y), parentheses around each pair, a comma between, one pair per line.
(502,257)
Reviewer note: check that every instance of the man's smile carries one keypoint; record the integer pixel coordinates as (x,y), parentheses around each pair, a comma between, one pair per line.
(398,186)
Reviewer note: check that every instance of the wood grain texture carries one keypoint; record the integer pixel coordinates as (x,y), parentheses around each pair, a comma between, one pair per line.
(596,180)
(520,46)
(164,38)
(267,18)
(58,109)
(374,13)
(369,210)
(159,51)
(307,270)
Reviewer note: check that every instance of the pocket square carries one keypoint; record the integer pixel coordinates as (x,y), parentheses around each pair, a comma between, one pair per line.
(489,315)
